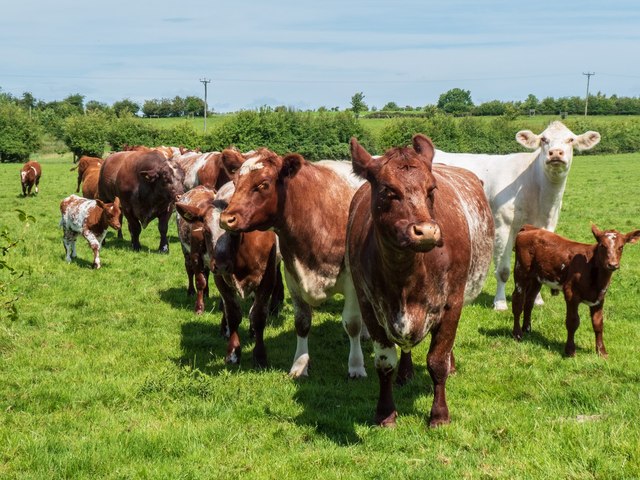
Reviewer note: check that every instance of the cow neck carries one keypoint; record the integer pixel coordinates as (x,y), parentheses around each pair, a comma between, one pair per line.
(97,221)
(399,262)
(602,275)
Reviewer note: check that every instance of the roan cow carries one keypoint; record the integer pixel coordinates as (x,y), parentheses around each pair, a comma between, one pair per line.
(419,244)
(582,271)
(523,187)
(306,205)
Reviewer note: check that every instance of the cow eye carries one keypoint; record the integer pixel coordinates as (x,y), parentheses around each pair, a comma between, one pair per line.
(262,186)
(388,194)
(544,140)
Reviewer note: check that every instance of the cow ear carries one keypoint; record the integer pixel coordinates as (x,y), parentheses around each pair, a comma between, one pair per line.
(116,202)
(528,139)
(632,237)
(100,203)
(362,162)
(587,140)
(291,164)
(232,160)
(149,175)
(424,146)
(596,231)
(190,213)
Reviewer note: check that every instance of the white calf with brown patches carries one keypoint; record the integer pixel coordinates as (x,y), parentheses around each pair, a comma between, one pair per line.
(89,218)
(523,188)
(582,271)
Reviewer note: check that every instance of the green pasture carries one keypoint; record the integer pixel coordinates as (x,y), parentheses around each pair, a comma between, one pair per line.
(109,374)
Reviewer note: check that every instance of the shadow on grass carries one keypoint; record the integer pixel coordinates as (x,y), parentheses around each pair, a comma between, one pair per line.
(530,337)
(332,405)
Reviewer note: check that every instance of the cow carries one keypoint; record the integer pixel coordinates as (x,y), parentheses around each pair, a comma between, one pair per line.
(147,185)
(91,218)
(582,271)
(85,163)
(523,188)
(243,264)
(307,206)
(419,244)
(202,169)
(30,176)
(90,181)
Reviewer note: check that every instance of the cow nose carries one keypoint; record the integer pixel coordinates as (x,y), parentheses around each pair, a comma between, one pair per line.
(613,266)
(228,221)
(425,234)
(555,154)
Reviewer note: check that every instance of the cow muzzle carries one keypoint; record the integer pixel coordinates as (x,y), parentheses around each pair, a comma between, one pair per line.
(424,236)
(228,221)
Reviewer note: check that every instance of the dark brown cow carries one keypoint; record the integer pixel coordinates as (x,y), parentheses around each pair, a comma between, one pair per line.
(307,206)
(582,271)
(30,176)
(83,164)
(91,219)
(243,264)
(147,184)
(419,246)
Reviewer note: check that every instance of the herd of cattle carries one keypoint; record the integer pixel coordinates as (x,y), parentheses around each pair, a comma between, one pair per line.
(406,237)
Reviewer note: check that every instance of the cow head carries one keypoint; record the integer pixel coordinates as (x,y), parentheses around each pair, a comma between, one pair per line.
(259,183)
(166,177)
(556,145)
(221,245)
(610,245)
(111,213)
(402,194)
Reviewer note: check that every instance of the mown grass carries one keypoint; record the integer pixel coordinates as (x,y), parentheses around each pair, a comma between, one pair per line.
(109,374)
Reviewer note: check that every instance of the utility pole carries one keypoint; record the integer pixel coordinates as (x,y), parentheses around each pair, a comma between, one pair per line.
(586,103)
(205,81)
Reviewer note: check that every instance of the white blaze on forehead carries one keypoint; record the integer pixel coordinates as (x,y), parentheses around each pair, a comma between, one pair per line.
(251,164)
(611,235)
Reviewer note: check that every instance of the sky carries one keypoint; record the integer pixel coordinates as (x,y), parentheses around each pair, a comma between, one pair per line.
(308,54)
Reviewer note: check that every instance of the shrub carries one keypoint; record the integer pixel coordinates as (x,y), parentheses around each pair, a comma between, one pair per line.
(86,134)
(130,130)
(20,136)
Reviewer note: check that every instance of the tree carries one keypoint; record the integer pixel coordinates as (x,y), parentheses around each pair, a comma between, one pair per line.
(19,134)
(125,107)
(390,107)
(456,101)
(94,105)
(358,105)
(76,100)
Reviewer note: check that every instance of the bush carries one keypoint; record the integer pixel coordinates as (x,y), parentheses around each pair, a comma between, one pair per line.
(86,134)
(20,136)
(130,130)
(180,135)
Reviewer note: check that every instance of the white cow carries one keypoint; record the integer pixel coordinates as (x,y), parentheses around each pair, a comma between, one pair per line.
(523,187)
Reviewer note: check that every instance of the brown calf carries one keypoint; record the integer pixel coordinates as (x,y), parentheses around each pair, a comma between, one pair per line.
(243,264)
(91,218)
(83,165)
(419,244)
(582,271)
(30,176)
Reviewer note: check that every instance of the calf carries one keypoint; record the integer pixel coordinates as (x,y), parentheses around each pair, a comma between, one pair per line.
(582,271)
(307,206)
(30,176)
(243,264)
(419,244)
(91,218)
(83,165)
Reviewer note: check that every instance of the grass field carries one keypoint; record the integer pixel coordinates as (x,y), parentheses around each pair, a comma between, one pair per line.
(109,374)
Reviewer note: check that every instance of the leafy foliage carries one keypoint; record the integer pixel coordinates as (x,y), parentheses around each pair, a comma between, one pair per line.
(20,136)
(86,134)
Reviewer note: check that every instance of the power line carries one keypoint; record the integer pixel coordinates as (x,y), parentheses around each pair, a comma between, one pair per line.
(205,81)
(586,103)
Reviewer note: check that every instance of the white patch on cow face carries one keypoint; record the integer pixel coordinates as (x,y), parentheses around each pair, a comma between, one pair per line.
(385,358)
(23,175)
(250,165)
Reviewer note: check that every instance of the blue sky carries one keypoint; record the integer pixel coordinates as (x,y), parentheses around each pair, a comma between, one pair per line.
(309,54)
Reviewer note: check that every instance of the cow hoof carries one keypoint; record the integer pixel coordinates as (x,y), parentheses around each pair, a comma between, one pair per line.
(387,422)
(500,305)
(357,372)
(300,367)
(437,422)
(517,336)
(96,266)
(233,358)
(164,249)
(260,361)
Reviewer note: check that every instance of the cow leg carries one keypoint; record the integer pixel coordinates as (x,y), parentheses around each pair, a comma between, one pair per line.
(302,320)
(529,301)
(405,368)
(573,322)
(439,363)
(597,320)
(120,237)
(37,183)
(517,304)
(352,323)
(224,327)
(24,190)
(502,260)
(258,318)
(233,315)
(277,295)
(134,230)
(79,182)
(386,358)
(191,290)
(94,243)
(69,242)
(163,228)
(201,283)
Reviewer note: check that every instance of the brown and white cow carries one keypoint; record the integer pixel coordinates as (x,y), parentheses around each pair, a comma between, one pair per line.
(89,218)
(30,176)
(202,169)
(419,244)
(307,205)
(582,271)
(147,184)
(243,265)
(85,163)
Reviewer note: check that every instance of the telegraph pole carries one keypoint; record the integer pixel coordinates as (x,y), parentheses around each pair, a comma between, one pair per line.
(586,103)
(205,81)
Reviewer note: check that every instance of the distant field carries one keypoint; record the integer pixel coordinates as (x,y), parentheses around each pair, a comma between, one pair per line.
(109,374)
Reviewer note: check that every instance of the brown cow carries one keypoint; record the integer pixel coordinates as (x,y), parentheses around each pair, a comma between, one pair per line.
(90,181)
(243,264)
(419,246)
(582,271)
(202,169)
(307,206)
(91,218)
(147,184)
(83,164)
(30,176)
